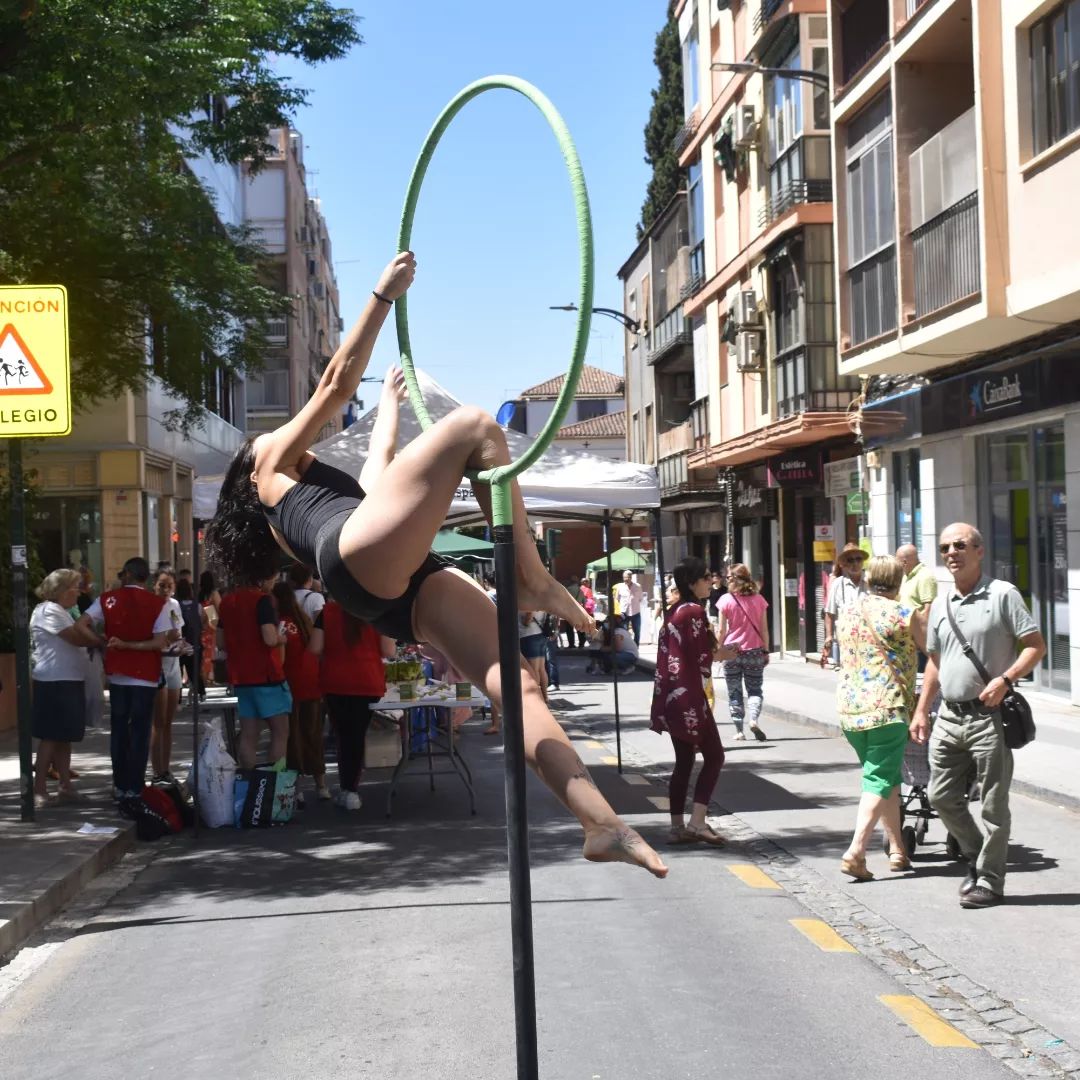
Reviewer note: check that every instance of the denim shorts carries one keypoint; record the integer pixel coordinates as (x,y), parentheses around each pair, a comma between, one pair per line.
(263,702)
(532,647)
(170,673)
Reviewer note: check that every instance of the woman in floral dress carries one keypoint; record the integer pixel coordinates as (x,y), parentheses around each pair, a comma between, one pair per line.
(684,656)
(875,696)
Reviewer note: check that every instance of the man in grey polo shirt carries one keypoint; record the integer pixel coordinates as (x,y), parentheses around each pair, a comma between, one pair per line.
(991,614)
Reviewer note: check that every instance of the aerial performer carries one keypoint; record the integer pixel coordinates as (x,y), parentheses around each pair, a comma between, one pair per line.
(370,541)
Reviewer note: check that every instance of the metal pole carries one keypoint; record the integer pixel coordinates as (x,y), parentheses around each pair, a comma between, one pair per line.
(658,532)
(611,637)
(194,690)
(20,627)
(517,822)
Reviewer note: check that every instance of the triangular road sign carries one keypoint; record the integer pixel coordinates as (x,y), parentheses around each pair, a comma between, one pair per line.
(19,371)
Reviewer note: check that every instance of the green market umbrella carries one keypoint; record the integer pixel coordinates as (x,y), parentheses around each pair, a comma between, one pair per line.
(454,545)
(624,558)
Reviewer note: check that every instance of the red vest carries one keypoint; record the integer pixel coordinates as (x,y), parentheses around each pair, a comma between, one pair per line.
(251,662)
(301,666)
(130,615)
(350,667)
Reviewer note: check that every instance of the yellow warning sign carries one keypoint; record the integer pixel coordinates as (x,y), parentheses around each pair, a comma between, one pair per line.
(35,372)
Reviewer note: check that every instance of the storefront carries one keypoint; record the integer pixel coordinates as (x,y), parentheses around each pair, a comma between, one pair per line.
(994,447)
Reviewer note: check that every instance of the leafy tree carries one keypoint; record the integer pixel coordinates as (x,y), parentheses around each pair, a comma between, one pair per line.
(103,100)
(665,120)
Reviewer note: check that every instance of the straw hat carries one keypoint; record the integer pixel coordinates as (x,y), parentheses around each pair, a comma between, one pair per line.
(852,549)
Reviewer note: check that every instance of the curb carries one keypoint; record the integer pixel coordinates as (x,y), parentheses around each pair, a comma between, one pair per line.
(826,727)
(62,889)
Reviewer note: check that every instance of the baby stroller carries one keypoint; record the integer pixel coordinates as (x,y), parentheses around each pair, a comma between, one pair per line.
(915,802)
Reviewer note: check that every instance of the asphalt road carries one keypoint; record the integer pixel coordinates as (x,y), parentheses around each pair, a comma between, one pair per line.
(350,945)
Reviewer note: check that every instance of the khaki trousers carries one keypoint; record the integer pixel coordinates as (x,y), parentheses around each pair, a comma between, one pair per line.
(962,738)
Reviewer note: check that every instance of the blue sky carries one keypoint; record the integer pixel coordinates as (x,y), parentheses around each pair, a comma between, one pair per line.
(494,234)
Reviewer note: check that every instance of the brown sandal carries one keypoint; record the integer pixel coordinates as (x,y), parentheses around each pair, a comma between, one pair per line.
(856,868)
(707,835)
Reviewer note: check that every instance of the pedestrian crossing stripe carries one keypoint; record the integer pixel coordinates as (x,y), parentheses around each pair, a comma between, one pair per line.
(925,1022)
(19,371)
(636,778)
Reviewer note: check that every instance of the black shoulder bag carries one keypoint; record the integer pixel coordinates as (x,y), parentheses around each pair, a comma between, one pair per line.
(1016,716)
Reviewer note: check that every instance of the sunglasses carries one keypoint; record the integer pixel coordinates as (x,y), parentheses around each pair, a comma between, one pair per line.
(956,545)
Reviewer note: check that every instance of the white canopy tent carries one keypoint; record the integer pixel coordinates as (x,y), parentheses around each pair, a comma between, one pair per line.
(563,483)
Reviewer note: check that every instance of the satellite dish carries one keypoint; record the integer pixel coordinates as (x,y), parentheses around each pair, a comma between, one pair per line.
(506,413)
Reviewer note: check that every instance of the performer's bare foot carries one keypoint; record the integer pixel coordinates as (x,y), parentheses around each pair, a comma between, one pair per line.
(546,594)
(620,843)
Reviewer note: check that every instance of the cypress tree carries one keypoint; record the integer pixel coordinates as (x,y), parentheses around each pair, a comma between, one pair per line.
(665,120)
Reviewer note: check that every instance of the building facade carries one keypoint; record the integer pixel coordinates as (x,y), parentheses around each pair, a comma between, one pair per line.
(771,421)
(294,233)
(955,124)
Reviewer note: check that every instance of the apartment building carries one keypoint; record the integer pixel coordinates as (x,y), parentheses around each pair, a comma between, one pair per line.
(955,129)
(770,420)
(294,233)
(666,397)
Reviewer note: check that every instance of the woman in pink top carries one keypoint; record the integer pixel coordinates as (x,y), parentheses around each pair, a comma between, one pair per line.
(744,626)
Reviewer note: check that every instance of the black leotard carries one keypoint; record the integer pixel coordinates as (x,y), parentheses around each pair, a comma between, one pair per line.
(310,516)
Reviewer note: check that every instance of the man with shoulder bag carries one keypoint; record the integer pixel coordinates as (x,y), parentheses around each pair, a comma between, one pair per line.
(976,630)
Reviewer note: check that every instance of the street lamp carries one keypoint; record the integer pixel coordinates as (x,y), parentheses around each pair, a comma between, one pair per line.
(630,324)
(746,67)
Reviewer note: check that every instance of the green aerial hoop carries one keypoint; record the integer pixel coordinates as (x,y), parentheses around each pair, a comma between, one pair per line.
(499,478)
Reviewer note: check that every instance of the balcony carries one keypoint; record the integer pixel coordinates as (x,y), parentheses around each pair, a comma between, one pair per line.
(686,132)
(864,30)
(911,6)
(270,233)
(268,390)
(793,193)
(873,296)
(277,333)
(765,12)
(806,381)
(944,182)
(947,257)
(676,440)
(697,271)
(672,332)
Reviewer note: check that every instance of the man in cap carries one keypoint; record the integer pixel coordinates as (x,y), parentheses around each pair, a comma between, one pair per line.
(845,588)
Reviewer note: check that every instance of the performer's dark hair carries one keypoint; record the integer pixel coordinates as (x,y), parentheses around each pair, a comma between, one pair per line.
(239,544)
(688,571)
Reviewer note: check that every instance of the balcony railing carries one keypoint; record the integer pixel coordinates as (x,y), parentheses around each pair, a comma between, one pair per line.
(913,6)
(668,335)
(268,390)
(697,271)
(864,29)
(793,193)
(699,423)
(873,296)
(686,132)
(947,256)
(764,13)
(806,381)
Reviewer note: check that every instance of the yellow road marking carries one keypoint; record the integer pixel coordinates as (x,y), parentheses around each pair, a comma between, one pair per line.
(751,875)
(594,745)
(822,935)
(636,778)
(660,802)
(925,1022)
(610,759)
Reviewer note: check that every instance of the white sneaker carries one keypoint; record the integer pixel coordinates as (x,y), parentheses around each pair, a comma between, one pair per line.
(351,801)
(740,736)
(323,793)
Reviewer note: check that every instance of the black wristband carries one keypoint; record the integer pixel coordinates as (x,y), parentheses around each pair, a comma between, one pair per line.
(379,296)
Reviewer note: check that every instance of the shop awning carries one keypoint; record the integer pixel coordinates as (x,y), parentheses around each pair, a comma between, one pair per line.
(801,430)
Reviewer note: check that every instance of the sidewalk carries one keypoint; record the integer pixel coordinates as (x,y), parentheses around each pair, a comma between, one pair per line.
(801,692)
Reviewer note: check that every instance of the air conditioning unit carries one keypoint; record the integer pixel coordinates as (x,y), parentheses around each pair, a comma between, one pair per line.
(746,308)
(748,351)
(745,126)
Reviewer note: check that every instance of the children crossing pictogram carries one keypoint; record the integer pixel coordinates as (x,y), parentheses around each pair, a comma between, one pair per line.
(19,371)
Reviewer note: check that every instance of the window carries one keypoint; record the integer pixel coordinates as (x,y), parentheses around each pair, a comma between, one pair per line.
(696,204)
(588,409)
(650,449)
(785,109)
(870,182)
(690,70)
(1055,76)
